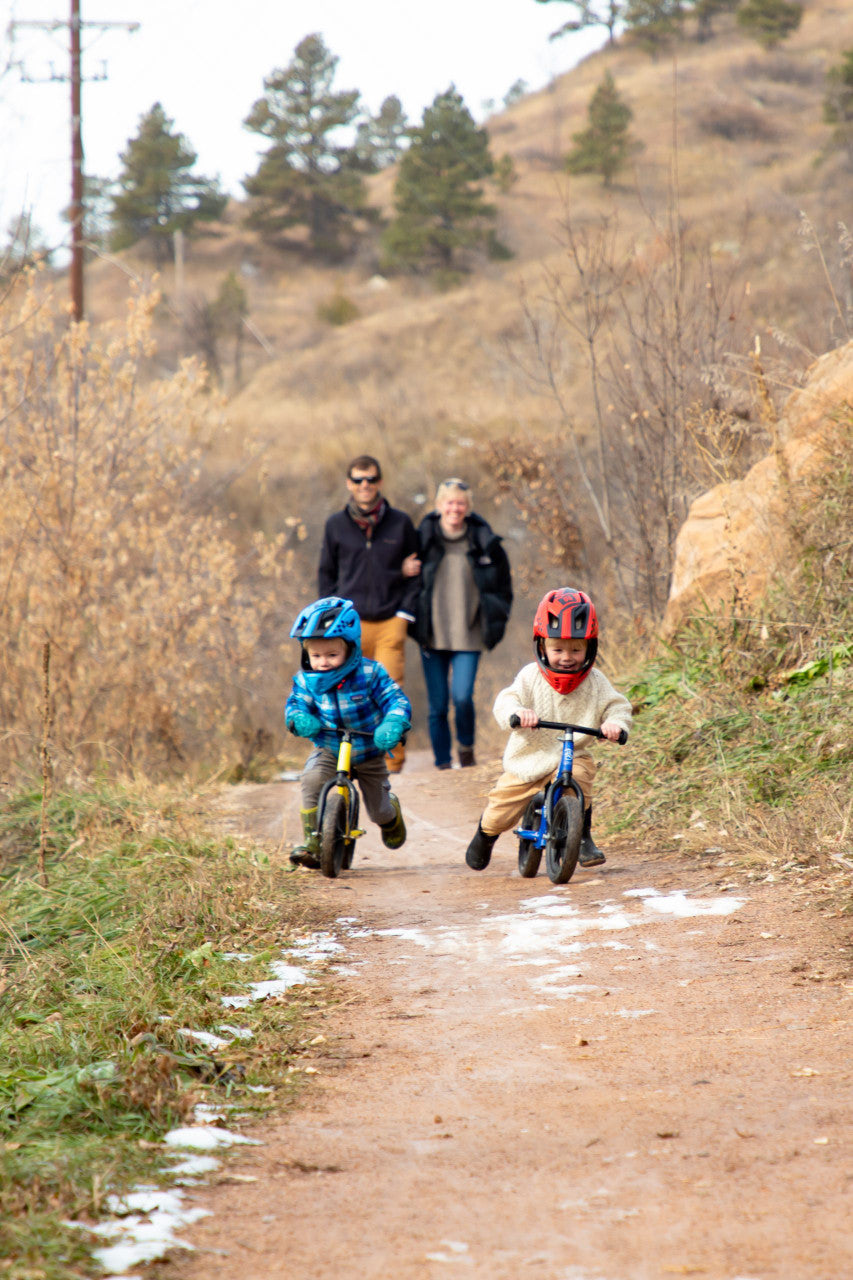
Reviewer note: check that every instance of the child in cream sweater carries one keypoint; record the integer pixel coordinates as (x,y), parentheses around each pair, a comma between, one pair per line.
(564,685)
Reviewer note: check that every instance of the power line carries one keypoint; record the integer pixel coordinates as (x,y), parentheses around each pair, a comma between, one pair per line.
(75,27)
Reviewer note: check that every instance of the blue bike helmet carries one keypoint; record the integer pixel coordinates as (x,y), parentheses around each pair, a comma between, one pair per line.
(331,618)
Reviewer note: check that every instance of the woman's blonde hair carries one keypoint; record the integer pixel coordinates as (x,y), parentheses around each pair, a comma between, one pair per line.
(454,483)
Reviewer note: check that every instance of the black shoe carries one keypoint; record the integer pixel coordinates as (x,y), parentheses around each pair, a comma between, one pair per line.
(443,766)
(479,851)
(590,855)
(466,757)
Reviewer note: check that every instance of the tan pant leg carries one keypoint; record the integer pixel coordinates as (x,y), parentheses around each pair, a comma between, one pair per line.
(508,798)
(507,801)
(385,642)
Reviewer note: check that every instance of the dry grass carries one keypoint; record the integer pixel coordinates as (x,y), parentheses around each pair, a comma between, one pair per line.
(112,550)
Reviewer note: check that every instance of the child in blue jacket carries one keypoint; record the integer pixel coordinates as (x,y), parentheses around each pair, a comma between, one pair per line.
(337,687)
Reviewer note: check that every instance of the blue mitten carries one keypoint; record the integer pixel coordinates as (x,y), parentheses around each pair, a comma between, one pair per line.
(304,725)
(389,732)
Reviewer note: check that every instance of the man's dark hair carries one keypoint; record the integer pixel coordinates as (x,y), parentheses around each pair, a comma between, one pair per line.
(362,463)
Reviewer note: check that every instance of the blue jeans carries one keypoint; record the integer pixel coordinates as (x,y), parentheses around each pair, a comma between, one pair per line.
(450,673)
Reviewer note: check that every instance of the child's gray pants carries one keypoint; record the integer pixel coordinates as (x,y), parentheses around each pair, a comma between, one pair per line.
(372,776)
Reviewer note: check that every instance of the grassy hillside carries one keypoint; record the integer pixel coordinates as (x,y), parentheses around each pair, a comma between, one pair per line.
(735,129)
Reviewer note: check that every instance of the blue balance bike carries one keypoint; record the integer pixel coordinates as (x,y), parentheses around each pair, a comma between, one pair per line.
(553,820)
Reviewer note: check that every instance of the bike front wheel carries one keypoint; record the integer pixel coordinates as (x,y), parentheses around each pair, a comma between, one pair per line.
(529,856)
(564,840)
(333,835)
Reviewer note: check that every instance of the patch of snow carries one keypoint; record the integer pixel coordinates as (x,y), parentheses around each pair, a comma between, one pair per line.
(205,1137)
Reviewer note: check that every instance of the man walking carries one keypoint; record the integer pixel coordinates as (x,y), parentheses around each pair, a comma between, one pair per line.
(369,556)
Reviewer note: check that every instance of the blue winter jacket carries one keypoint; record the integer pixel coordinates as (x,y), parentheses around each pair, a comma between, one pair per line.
(361,701)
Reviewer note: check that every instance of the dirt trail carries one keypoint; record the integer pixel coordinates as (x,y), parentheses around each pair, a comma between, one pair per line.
(645,1073)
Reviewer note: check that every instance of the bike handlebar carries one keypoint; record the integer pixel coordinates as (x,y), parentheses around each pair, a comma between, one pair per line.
(515,723)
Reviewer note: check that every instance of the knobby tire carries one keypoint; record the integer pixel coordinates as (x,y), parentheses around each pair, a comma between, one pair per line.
(564,842)
(333,835)
(529,856)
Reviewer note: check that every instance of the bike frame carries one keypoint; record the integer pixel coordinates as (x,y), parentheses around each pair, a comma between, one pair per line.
(553,790)
(563,779)
(344,785)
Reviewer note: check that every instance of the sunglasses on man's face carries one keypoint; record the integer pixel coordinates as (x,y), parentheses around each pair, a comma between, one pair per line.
(364,479)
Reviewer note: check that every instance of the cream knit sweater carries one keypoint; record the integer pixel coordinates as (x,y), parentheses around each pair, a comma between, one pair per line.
(533,753)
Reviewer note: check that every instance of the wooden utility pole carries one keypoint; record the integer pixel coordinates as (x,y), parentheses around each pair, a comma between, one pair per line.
(76,274)
(75,27)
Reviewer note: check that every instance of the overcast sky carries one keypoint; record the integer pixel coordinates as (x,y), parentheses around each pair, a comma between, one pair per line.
(205,61)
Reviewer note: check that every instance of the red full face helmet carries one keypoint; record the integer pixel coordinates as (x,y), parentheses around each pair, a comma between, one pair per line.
(565,614)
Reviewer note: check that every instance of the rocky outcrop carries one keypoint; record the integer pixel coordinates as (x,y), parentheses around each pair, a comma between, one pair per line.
(735,539)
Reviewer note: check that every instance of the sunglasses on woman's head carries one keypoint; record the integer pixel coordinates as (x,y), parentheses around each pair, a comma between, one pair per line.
(456,483)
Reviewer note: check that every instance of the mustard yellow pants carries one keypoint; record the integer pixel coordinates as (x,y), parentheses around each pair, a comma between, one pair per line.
(508,798)
(385,642)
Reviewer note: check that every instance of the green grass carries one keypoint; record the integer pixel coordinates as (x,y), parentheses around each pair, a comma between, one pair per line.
(736,744)
(100,968)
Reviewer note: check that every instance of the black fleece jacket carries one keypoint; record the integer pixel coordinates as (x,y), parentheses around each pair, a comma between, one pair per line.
(368,571)
(492,578)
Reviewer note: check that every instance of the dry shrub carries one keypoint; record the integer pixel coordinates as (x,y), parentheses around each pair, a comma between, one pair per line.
(111,551)
(737,122)
(780,67)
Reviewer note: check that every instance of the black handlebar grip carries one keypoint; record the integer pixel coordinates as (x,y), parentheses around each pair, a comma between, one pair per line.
(514,721)
(623,736)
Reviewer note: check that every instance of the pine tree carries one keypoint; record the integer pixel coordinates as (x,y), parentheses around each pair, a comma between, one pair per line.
(379,140)
(309,176)
(156,193)
(590,13)
(440,208)
(653,23)
(604,146)
(838,106)
(769,21)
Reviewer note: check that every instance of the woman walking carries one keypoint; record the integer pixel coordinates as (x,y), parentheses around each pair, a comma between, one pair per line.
(462,609)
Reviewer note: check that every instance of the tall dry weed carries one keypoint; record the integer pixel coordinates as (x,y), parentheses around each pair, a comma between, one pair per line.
(111,550)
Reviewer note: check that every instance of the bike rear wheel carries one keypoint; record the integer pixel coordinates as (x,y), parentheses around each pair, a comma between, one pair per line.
(529,856)
(333,835)
(564,840)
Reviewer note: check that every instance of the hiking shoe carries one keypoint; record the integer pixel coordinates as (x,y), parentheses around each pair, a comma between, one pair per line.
(466,757)
(590,855)
(479,851)
(394,832)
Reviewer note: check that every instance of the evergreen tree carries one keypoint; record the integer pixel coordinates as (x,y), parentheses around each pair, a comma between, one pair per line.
(769,21)
(605,144)
(440,208)
(308,177)
(653,23)
(379,139)
(705,11)
(156,193)
(590,13)
(838,105)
